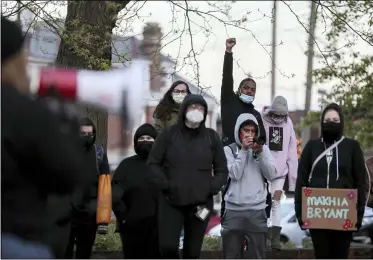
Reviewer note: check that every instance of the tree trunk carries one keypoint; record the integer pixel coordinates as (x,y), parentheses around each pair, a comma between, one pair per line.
(86,44)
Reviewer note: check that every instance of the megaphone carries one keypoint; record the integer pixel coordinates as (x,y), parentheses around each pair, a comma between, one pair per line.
(121,92)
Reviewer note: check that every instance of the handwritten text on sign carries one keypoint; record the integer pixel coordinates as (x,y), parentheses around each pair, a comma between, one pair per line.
(329,208)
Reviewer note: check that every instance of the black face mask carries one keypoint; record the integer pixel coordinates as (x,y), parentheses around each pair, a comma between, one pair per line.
(331,131)
(87,140)
(143,148)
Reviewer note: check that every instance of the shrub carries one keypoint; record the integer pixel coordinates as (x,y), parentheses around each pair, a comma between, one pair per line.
(109,242)
(211,243)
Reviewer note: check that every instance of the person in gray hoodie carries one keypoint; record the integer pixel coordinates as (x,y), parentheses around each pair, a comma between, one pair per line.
(249,163)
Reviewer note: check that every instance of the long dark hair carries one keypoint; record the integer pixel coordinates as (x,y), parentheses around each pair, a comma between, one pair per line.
(167,104)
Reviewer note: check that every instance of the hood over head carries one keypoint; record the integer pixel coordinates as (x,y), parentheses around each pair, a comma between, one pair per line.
(243,119)
(145,129)
(189,100)
(87,121)
(337,108)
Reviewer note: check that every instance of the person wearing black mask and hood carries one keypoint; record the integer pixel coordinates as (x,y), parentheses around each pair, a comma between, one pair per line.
(84,202)
(181,161)
(135,199)
(342,167)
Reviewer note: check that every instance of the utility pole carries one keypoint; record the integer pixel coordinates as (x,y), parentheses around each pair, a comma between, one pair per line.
(310,55)
(19,13)
(274,43)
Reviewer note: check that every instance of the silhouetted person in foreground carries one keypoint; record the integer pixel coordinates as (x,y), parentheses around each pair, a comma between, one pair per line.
(40,155)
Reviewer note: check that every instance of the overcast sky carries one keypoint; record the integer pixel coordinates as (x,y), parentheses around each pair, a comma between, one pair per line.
(251,56)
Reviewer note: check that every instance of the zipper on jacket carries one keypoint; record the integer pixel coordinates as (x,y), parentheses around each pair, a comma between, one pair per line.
(329,158)
(327,176)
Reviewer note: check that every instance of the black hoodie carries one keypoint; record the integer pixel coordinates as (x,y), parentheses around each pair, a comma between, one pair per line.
(232,106)
(182,160)
(134,197)
(85,200)
(351,173)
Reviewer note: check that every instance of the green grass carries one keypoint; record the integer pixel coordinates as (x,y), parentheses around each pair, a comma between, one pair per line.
(112,242)
(109,242)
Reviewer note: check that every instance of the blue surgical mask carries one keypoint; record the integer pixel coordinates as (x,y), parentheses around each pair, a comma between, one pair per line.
(246,98)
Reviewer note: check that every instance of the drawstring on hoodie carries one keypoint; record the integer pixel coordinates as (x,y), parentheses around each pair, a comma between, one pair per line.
(329,162)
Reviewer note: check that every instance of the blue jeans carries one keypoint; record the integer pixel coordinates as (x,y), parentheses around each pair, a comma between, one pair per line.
(13,247)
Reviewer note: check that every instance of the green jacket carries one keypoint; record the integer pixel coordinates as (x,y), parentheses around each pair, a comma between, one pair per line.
(159,124)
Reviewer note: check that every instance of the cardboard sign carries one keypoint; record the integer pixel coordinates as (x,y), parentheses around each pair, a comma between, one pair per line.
(329,208)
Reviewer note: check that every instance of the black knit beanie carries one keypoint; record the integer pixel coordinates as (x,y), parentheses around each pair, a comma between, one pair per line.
(11,39)
(145,129)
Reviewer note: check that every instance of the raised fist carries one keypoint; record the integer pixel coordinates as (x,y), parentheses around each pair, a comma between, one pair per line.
(229,43)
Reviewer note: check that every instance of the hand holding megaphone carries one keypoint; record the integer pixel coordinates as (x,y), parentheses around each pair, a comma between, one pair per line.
(119,92)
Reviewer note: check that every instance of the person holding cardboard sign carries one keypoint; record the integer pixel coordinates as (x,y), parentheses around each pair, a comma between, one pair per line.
(334,162)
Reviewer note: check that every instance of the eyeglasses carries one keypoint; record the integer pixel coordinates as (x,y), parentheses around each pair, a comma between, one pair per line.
(176,91)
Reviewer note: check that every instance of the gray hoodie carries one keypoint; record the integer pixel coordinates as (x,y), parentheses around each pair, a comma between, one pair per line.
(247,189)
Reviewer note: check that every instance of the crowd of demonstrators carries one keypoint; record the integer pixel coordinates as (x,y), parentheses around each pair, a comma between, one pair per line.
(187,189)
(282,143)
(249,164)
(135,199)
(84,201)
(41,155)
(167,111)
(332,161)
(51,167)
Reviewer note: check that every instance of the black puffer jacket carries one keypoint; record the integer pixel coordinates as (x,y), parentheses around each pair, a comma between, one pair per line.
(182,160)
(347,168)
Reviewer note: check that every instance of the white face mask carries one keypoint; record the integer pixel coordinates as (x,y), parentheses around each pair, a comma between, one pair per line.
(194,116)
(178,98)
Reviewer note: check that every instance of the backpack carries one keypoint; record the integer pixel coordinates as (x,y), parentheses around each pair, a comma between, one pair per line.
(369,166)
(99,156)
(234,147)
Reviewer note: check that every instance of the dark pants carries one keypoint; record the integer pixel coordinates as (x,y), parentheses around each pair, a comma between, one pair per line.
(331,244)
(58,239)
(238,226)
(171,221)
(140,239)
(83,234)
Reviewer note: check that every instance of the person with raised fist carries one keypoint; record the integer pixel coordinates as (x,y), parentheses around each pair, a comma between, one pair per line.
(233,104)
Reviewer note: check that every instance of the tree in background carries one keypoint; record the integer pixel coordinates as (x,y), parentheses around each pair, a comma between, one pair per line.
(86,33)
(348,26)
(86,44)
